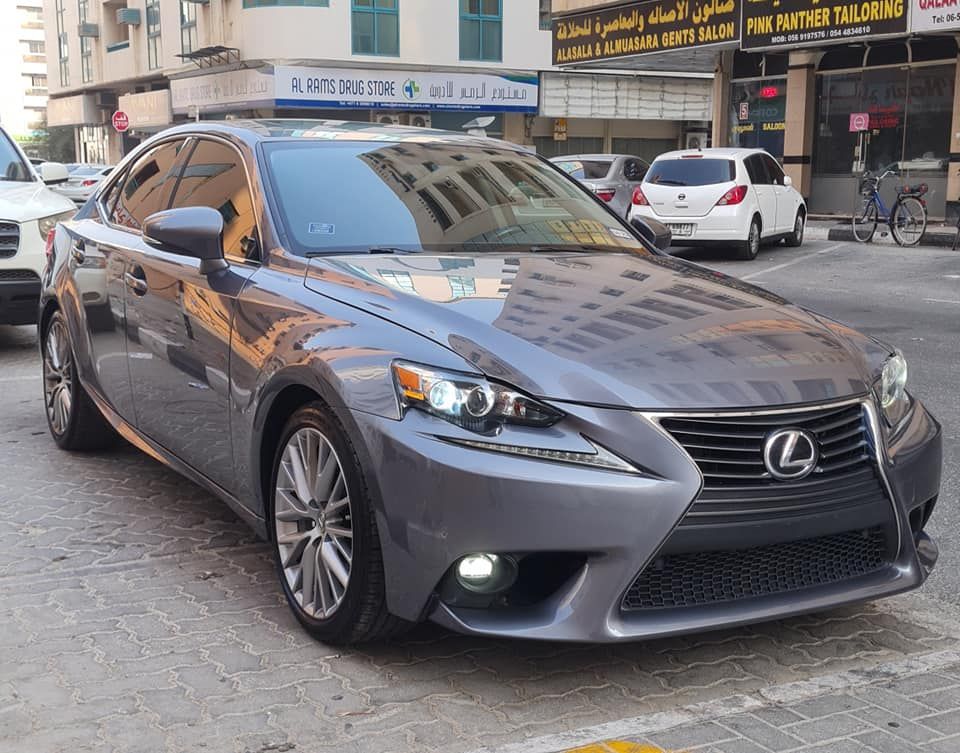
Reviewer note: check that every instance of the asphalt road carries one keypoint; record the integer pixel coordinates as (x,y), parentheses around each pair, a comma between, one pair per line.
(909,298)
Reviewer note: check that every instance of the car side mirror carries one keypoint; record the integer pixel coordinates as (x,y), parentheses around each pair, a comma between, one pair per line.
(196,232)
(787,180)
(52,173)
(655,233)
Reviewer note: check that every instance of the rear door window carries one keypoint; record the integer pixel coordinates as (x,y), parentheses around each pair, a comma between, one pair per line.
(774,170)
(214,177)
(757,170)
(148,185)
(633,169)
(693,171)
(585,169)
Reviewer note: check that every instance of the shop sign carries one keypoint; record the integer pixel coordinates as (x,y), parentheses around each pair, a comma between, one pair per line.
(147,109)
(218,92)
(771,24)
(859,121)
(79,109)
(744,111)
(935,15)
(299,86)
(559,129)
(641,28)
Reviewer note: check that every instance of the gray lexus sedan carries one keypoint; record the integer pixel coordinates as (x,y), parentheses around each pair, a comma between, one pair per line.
(446,383)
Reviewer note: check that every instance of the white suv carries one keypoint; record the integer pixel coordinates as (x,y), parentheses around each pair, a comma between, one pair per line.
(28,212)
(737,197)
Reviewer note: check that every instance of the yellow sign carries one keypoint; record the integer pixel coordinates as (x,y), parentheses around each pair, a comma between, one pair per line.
(560,129)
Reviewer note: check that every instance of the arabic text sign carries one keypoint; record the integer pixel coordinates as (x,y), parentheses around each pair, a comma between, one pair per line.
(299,86)
(653,26)
(935,15)
(779,23)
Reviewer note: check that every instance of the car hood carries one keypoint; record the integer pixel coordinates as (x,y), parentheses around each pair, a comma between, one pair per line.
(626,330)
(20,202)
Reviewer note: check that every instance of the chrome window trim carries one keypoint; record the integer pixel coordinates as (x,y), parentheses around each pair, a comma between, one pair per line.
(866,401)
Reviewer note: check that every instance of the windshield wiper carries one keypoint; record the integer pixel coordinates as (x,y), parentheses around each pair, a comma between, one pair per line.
(376,250)
(668,182)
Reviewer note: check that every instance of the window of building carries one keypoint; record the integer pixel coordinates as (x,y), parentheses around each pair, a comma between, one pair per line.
(548,147)
(481,30)
(148,185)
(295,3)
(214,177)
(63,47)
(546,14)
(36,48)
(36,81)
(757,115)
(153,33)
(376,27)
(86,45)
(188,26)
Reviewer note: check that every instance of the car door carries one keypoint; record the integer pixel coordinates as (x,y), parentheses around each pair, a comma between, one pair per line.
(786,201)
(179,320)
(101,249)
(765,193)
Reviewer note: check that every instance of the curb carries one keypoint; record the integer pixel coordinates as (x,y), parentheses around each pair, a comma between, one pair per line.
(939,238)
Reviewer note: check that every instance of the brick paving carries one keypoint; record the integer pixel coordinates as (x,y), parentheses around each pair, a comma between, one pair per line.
(138,614)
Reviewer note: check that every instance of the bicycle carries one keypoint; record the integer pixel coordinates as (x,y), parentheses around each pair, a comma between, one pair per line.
(907,219)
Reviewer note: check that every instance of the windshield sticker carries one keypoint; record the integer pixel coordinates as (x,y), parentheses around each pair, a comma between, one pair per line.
(618,233)
(322,228)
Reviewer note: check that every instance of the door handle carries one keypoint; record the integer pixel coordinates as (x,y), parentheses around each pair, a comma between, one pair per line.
(76,251)
(137,284)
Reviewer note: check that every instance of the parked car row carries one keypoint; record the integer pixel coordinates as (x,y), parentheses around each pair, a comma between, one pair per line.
(496,407)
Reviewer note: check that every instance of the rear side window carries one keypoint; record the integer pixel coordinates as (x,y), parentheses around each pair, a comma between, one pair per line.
(695,171)
(756,170)
(214,177)
(147,186)
(773,169)
(633,169)
(585,169)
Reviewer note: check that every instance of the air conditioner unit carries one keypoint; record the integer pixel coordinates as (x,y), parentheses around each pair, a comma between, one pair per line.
(385,118)
(128,16)
(88,31)
(420,119)
(106,101)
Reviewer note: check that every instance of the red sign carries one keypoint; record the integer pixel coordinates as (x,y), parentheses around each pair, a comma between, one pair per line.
(120,121)
(859,121)
(769,92)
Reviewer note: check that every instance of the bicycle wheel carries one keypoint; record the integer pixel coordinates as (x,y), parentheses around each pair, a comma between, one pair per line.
(909,221)
(865,221)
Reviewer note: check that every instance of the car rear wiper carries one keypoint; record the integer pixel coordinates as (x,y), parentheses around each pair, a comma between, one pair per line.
(668,182)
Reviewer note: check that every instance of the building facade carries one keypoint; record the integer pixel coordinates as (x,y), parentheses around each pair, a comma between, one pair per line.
(829,87)
(23,69)
(444,63)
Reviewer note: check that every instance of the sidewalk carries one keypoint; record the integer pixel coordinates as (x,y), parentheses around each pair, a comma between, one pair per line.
(937,235)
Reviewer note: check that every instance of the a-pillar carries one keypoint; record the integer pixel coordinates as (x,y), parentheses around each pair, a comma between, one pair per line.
(721,99)
(953,174)
(800,119)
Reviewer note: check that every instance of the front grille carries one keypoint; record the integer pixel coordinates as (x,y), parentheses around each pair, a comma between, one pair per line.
(18,275)
(9,239)
(702,578)
(737,487)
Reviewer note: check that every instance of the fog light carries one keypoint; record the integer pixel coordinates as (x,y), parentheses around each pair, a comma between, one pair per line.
(486,573)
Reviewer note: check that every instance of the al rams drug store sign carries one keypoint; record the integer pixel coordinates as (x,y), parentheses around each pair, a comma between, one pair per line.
(935,15)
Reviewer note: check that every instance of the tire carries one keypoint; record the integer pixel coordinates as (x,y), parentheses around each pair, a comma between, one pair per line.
(865,222)
(909,221)
(74,420)
(749,248)
(329,609)
(795,238)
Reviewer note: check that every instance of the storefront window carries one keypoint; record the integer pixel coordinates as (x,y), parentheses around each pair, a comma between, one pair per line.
(757,114)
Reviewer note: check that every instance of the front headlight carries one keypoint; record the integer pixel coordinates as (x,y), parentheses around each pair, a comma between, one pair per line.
(46,224)
(468,401)
(892,390)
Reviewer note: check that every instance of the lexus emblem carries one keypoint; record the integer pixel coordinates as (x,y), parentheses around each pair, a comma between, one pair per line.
(790,454)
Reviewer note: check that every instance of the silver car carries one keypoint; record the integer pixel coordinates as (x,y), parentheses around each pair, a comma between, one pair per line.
(612,177)
(83,182)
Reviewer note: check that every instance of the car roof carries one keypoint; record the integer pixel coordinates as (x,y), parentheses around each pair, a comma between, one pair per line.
(594,157)
(283,129)
(717,152)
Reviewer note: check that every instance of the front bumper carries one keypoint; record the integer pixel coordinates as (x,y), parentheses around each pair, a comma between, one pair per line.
(439,501)
(18,301)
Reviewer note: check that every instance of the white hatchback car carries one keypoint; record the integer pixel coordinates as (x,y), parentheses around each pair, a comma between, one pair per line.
(737,197)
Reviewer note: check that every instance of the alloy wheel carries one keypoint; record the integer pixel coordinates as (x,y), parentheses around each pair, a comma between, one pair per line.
(798,228)
(58,377)
(314,523)
(754,239)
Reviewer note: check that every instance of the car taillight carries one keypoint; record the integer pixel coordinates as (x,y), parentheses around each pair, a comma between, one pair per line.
(48,251)
(606,194)
(638,199)
(88,183)
(733,196)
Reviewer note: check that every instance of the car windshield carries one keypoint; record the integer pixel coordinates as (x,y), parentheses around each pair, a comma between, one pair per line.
(12,165)
(690,171)
(593,169)
(427,195)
